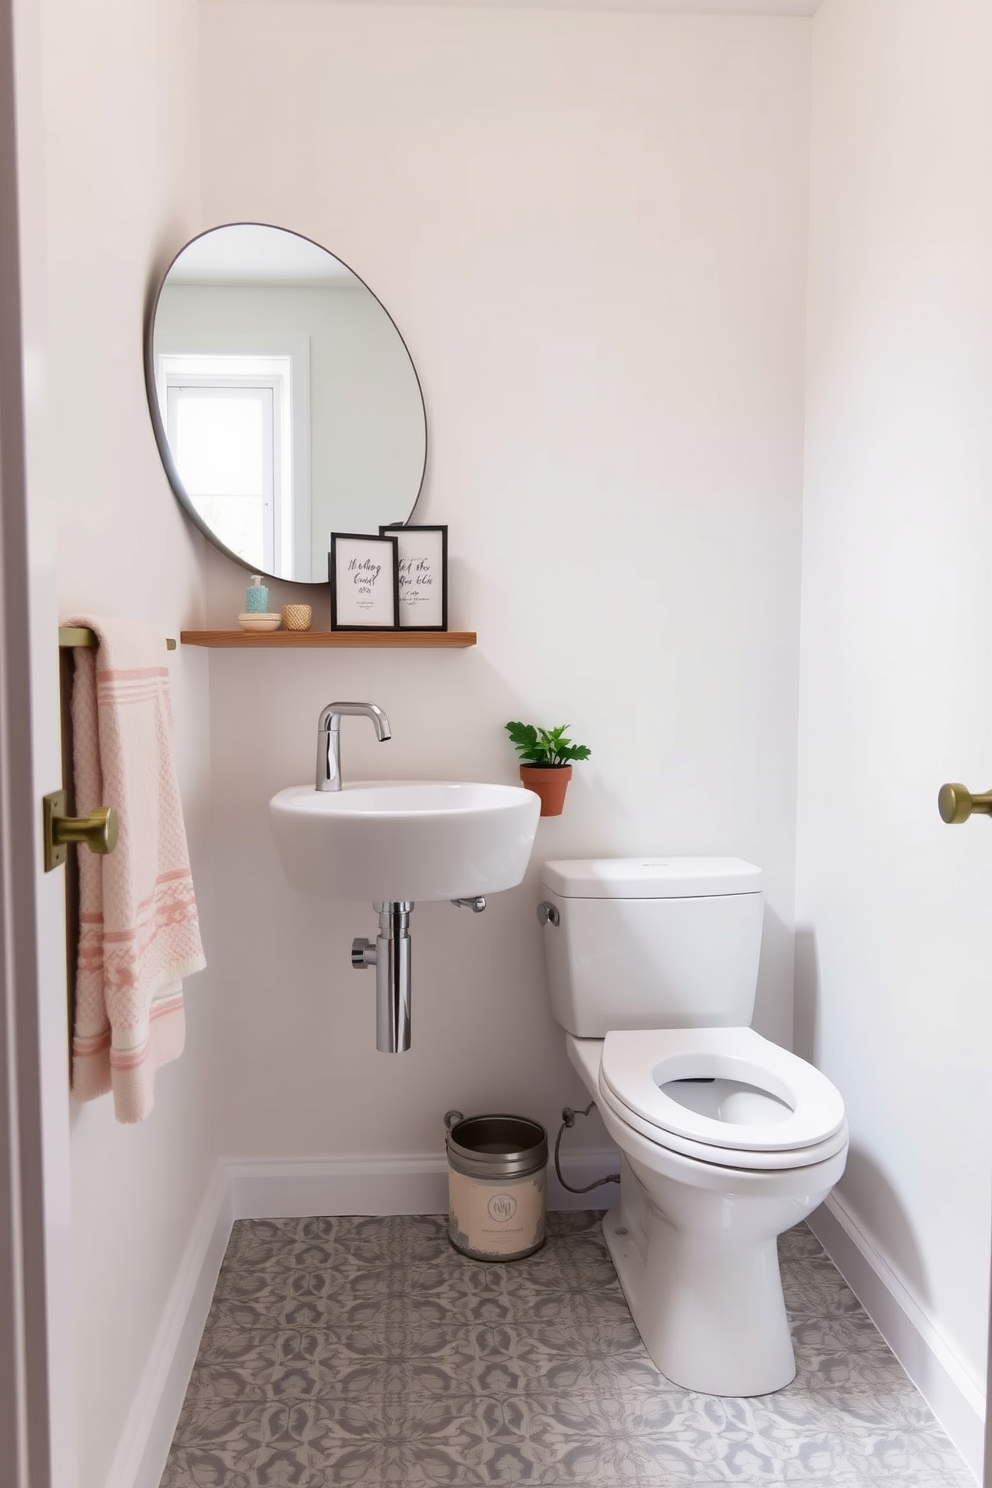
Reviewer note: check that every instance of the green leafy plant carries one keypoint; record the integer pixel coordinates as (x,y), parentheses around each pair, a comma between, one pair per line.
(545,747)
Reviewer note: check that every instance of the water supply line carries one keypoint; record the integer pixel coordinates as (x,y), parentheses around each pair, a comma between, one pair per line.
(568,1120)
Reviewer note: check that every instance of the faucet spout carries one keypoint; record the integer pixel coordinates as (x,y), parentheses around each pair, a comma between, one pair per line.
(329,738)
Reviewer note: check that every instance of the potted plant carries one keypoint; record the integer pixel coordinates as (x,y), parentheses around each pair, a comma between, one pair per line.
(546,757)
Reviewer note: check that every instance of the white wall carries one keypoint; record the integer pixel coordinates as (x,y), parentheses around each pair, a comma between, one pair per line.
(591,231)
(121,117)
(894,986)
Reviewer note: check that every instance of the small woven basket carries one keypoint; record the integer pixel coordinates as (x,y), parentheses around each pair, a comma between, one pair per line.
(297,617)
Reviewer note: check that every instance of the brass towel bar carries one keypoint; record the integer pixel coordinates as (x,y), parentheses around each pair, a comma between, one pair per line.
(81,635)
(99,830)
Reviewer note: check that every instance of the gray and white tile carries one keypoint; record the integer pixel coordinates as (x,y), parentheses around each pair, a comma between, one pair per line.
(367,1351)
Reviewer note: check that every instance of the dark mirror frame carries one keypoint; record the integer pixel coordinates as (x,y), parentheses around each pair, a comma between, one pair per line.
(161,438)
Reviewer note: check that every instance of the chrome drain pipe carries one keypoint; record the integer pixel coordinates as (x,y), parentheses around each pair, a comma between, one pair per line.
(390,955)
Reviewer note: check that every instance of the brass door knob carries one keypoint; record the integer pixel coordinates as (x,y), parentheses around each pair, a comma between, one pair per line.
(98,831)
(956,803)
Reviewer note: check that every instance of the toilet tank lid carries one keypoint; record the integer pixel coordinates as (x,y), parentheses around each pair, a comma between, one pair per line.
(650,878)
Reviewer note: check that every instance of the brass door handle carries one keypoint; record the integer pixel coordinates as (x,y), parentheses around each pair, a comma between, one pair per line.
(956,803)
(98,830)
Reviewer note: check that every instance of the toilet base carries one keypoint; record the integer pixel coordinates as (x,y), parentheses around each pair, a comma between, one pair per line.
(713,1320)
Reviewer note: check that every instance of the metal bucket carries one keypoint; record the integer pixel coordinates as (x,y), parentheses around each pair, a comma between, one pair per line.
(496,1167)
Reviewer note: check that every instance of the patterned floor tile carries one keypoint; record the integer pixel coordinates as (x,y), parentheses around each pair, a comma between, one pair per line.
(367,1351)
(400,1441)
(852,1333)
(242,1445)
(820,1295)
(798,1242)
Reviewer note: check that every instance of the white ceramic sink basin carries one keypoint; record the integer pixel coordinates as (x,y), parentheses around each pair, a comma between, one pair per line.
(393,840)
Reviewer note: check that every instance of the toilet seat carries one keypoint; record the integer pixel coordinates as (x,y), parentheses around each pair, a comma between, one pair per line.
(771,1109)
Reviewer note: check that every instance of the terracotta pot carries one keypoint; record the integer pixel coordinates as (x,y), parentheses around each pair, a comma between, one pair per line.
(550,782)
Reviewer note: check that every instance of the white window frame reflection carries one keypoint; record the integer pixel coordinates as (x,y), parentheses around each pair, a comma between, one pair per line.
(267,484)
(281,362)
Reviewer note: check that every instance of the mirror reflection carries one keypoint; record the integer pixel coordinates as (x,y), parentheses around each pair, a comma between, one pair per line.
(285,402)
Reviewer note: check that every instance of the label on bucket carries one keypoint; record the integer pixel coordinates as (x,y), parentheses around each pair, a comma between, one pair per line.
(499,1218)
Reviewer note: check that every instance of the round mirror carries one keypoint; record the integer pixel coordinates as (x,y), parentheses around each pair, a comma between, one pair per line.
(285,403)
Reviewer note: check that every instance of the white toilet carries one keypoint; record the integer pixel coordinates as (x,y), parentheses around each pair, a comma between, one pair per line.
(725,1139)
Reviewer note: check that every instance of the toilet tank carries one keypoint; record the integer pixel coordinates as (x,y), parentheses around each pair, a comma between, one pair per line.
(651,942)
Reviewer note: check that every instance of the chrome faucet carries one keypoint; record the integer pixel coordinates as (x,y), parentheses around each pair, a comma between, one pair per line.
(329,739)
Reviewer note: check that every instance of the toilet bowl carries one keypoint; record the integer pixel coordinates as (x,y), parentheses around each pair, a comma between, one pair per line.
(694,1239)
(725,1138)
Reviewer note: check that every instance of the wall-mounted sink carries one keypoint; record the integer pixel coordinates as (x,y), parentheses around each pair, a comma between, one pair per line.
(394,842)
(404,840)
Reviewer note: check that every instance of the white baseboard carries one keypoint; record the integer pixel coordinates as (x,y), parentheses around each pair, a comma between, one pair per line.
(954,1396)
(287,1189)
(144,1447)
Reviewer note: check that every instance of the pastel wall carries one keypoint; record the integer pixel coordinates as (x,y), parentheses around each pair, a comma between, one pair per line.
(591,231)
(893,981)
(121,180)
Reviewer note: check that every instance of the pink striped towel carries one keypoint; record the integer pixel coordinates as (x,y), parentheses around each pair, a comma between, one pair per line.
(138,929)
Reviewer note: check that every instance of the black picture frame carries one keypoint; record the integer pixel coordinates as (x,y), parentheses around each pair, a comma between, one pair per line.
(351,554)
(422,576)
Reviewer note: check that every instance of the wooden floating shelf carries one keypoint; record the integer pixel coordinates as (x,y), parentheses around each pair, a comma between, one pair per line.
(244,640)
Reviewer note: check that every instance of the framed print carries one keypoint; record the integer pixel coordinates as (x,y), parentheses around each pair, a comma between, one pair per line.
(364,575)
(423,576)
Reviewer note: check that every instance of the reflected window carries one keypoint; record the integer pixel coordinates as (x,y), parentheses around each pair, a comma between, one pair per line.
(229,421)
